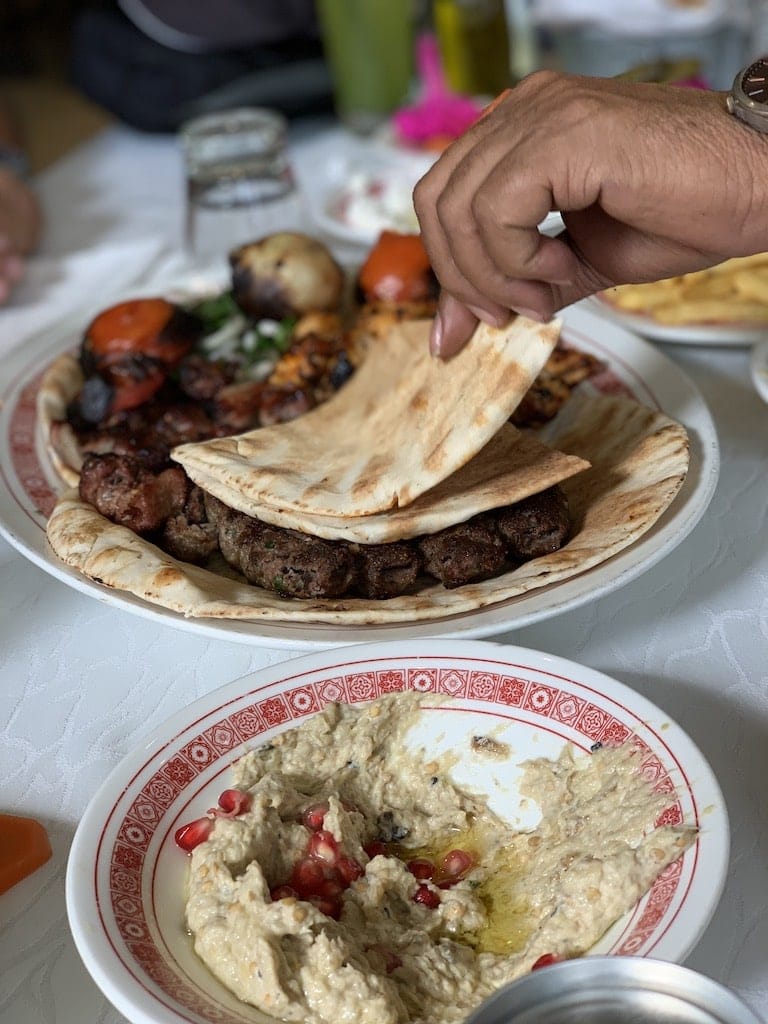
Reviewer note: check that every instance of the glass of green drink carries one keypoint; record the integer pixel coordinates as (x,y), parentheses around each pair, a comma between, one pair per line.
(369,48)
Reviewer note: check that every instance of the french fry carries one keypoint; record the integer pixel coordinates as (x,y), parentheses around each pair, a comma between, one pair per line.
(752,284)
(720,286)
(642,296)
(735,291)
(713,311)
(760,259)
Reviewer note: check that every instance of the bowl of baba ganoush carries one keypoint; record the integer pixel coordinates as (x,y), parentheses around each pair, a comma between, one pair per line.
(390,833)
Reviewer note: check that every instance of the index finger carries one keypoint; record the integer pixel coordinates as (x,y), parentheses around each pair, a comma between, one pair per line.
(426,197)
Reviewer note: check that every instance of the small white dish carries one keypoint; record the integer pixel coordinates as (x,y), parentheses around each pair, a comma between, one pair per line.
(125,876)
(356,191)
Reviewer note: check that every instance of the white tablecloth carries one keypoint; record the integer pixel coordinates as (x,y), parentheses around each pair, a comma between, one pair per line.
(81,683)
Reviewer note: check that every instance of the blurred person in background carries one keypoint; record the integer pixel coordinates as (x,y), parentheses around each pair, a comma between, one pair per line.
(156,63)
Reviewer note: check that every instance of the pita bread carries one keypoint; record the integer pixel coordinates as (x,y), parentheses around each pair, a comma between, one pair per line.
(639,461)
(512,466)
(403,422)
(61,383)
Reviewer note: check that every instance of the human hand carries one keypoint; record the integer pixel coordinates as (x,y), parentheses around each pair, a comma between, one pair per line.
(20,226)
(652,181)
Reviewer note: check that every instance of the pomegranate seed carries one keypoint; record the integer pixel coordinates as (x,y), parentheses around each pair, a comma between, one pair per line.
(329,888)
(191,835)
(314,816)
(323,846)
(375,849)
(546,959)
(421,868)
(456,863)
(307,874)
(231,803)
(327,905)
(427,897)
(349,869)
(283,892)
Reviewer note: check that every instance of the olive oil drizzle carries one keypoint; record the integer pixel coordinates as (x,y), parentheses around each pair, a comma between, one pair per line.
(498,880)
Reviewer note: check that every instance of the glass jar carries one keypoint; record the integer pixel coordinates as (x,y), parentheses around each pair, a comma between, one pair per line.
(474,45)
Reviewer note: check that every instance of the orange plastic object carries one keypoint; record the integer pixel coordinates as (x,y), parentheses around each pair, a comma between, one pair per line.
(24,847)
(397,269)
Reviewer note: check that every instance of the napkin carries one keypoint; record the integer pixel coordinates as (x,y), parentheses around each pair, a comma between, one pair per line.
(56,286)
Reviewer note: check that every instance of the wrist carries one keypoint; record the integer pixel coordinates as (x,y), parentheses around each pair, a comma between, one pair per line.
(748,158)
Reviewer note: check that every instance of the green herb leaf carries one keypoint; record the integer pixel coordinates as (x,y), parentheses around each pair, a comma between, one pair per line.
(216,311)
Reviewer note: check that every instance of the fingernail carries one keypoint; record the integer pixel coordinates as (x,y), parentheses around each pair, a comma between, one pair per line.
(436,336)
(488,318)
(532,314)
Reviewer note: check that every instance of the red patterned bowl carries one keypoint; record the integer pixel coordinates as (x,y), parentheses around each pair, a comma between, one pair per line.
(125,878)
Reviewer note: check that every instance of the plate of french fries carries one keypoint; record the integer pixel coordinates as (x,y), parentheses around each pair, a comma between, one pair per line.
(724,305)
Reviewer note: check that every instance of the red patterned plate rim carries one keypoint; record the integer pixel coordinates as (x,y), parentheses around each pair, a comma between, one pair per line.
(130,834)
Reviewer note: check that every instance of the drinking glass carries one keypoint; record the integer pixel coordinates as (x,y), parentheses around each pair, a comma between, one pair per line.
(369,48)
(240,185)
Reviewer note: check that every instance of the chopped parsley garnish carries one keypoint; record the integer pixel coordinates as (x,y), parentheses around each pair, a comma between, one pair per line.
(266,338)
(216,311)
(253,345)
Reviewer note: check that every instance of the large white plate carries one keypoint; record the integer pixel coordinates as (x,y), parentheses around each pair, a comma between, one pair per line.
(125,876)
(634,367)
(733,335)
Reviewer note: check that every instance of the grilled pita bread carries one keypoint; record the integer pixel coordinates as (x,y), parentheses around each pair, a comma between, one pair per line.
(639,459)
(60,385)
(402,424)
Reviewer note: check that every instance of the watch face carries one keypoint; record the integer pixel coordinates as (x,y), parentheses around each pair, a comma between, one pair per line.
(754,82)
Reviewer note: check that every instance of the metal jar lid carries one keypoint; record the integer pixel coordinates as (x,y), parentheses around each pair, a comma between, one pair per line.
(614,990)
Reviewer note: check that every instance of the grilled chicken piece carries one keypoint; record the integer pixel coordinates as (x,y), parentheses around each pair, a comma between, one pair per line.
(571,365)
(542,401)
(308,359)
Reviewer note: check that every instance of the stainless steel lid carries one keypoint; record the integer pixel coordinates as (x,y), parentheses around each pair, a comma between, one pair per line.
(614,990)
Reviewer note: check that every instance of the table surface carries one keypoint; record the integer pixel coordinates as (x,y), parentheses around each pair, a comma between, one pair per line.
(83,683)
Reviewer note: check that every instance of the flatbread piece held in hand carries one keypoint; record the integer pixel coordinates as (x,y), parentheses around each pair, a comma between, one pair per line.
(404,422)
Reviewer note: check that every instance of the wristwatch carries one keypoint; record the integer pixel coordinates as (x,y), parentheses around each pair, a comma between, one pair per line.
(748,98)
(15,160)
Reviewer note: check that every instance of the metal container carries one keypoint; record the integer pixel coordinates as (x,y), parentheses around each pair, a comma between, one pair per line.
(614,990)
